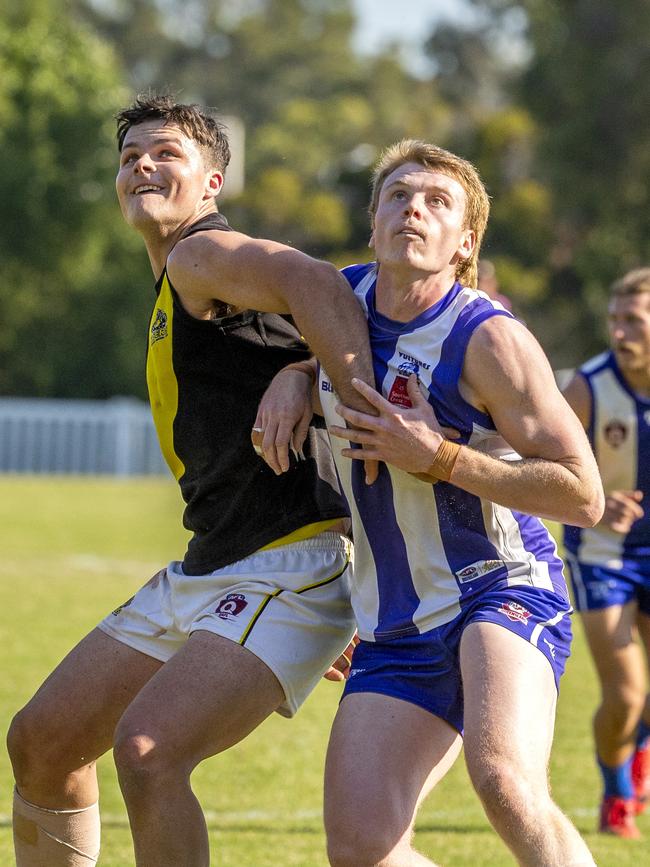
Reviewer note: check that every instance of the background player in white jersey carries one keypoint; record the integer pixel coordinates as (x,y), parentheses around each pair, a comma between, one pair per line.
(259,607)
(610,564)
(458,592)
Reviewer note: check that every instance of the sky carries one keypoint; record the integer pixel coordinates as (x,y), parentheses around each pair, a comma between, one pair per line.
(406,21)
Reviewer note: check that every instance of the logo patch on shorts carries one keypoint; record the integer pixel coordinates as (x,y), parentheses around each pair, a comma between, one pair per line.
(478,569)
(230,606)
(515,612)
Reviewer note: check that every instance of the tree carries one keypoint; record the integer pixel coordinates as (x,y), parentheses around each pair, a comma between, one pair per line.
(66,290)
(577,75)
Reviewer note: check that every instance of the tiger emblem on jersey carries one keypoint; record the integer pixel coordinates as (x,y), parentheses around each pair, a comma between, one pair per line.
(159,326)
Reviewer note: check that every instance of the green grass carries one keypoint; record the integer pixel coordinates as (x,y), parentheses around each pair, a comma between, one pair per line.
(74,548)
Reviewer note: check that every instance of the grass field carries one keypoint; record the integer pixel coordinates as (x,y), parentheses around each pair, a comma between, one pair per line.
(74,548)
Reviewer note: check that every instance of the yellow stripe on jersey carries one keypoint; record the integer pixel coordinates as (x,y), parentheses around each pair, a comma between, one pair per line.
(161,379)
(302,533)
(280,590)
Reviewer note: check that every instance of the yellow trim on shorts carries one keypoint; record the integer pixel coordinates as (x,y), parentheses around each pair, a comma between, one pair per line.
(281,590)
(301,534)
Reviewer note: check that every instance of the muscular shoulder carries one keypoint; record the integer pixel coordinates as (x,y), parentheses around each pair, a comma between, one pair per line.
(195,258)
(502,353)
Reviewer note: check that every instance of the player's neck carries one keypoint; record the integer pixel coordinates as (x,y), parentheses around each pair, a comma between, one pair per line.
(403,297)
(161,238)
(639,381)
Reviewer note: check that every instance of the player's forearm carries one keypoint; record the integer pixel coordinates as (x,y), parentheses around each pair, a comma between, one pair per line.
(568,492)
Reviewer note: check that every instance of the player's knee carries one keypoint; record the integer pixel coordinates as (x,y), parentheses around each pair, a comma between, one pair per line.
(365,843)
(29,746)
(142,760)
(504,786)
(624,701)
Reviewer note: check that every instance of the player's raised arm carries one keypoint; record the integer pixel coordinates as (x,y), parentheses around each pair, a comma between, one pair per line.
(264,275)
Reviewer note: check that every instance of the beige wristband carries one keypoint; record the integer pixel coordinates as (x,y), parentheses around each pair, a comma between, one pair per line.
(443,463)
(303,367)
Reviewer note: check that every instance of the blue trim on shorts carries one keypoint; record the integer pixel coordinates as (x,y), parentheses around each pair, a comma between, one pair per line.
(425,669)
(600,586)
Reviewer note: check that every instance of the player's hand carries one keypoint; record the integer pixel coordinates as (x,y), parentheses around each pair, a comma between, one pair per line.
(622,509)
(340,668)
(283,418)
(406,437)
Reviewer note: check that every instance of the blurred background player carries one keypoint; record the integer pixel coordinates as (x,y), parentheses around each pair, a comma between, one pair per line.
(259,607)
(488,283)
(610,564)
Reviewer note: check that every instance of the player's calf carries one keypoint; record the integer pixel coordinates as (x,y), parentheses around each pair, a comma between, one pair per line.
(56,838)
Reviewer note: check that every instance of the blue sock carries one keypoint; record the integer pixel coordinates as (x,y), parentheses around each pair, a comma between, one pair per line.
(618,780)
(643,734)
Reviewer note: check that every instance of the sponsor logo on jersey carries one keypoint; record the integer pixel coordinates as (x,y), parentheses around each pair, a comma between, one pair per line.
(415,362)
(398,393)
(615,433)
(515,612)
(231,605)
(478,569)
(354,671)
(159,326)
(327,386)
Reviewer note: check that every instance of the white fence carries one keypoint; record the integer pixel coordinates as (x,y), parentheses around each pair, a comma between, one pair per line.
(113,437)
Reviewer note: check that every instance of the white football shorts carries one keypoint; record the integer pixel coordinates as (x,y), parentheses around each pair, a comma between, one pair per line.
(290,606)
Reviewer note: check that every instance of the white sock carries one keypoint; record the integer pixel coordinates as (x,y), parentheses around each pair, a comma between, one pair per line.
(55,838)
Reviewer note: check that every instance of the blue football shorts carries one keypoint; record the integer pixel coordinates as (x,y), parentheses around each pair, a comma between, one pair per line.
(597,587)
(424,669)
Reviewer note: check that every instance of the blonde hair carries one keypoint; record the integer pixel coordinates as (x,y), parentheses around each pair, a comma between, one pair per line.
(633,283)
(432,157)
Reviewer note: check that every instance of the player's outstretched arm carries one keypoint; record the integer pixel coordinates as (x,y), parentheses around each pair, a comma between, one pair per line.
(264,275)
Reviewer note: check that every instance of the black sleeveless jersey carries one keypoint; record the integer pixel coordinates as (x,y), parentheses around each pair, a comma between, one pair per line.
(205,380)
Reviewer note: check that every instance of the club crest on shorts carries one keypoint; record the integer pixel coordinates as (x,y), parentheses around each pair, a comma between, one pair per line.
(515,612)
(230,606)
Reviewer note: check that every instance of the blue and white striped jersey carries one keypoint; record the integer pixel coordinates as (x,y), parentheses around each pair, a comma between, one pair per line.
(422,550)
(619,432)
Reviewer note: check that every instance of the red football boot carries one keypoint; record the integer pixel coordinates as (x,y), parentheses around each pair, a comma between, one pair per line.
(641,777)
(617,817)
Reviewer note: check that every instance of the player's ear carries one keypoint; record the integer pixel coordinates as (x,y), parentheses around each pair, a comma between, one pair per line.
(467,244)
(371,240)
(213,185)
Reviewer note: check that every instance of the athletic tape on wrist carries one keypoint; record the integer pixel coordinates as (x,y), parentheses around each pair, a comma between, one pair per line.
(444,461)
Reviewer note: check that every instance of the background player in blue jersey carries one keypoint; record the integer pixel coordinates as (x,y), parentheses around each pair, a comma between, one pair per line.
(610,564)
(259,607)
(458,592)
